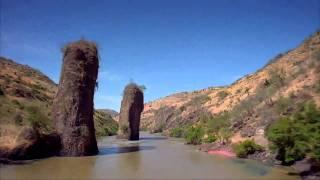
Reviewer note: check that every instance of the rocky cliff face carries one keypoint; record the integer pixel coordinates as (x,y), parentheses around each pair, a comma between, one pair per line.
(130,112)
(73,104)
(251,100)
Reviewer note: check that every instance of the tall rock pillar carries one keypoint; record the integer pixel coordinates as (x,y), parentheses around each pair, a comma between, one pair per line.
(73,104)
(130,112)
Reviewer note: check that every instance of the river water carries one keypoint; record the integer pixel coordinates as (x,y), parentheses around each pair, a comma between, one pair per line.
(153,157)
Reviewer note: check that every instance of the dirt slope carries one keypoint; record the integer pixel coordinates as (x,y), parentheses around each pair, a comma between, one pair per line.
(293,74)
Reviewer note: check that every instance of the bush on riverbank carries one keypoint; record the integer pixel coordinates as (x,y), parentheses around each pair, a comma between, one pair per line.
(176,132)
(210,138)
(297,135)
(193,135)
(38,119)
(208,130)
(243,149)
(217,126)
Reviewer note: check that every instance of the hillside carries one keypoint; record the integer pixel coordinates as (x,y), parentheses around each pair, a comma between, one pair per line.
(26,97)
(111,112)
(252,102)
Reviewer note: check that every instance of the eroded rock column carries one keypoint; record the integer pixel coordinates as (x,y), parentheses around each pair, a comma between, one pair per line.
(73,104)
(130,112)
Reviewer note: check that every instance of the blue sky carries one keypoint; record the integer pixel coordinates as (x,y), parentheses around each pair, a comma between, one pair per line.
(168,45)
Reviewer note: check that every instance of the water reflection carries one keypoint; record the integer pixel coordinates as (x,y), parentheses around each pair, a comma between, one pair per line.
(130,162)
(253,167)
(123,149)
(152,157)
(77,167)
(153,138)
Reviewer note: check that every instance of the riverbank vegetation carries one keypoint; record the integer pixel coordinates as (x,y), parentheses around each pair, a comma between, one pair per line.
(296,135)
(104,124)
(243,149)
(209,129)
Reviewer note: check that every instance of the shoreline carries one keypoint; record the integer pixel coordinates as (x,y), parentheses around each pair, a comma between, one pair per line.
(303,168)
(222,153)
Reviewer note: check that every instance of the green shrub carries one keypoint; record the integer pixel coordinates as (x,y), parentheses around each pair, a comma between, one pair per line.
(162,115)
(316,55)
(216,126)
(222,95)
(247,90)
(282,104)
(289,140)
(317,87)
(176,132)
(37,87)
(15,102)
(37,118)
(108,130)
(193,135)
(18,104)
(297,135)
(210,139)
(248,106)
(198,100)
(18,119)
(104,124)
(277,77)
(316,149)
(1,92)
(271,61)
(28,73)
(215,123)
(246,147)
(182,108)
(224,135)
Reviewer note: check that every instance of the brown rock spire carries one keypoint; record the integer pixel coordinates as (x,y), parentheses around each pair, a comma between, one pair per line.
(73,104)
(130,112)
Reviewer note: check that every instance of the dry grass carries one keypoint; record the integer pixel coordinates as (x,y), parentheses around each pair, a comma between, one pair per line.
(89,47)
(8,136)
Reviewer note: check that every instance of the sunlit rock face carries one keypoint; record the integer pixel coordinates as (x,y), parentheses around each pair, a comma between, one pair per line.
(130,112)
(73,104)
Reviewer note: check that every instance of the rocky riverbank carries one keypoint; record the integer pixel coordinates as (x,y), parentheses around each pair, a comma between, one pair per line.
(30,144)
(306,168)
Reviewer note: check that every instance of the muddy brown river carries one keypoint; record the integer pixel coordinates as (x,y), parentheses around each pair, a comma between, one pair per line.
(153,157)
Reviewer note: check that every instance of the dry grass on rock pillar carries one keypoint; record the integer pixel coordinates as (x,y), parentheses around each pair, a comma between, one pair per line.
(130,112)
(73,104)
